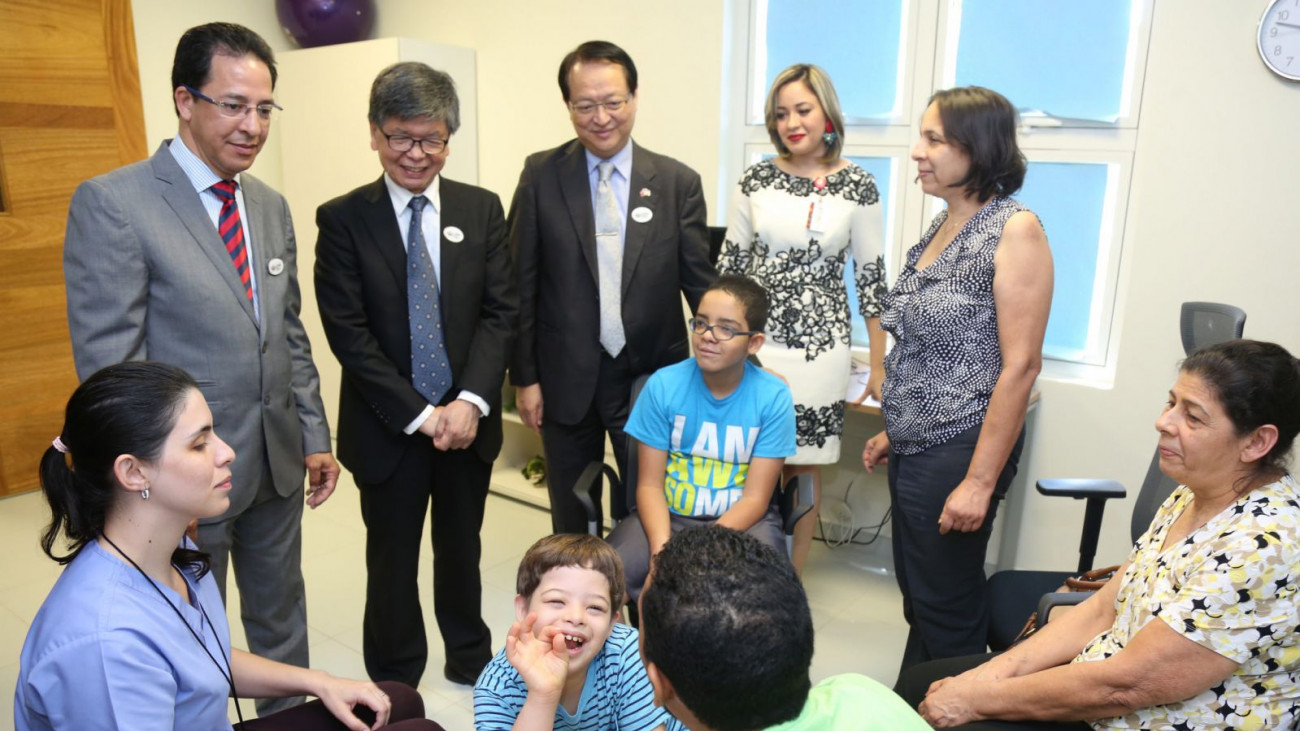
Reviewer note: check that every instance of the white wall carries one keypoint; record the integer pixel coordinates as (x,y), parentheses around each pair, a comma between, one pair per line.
(1212,213)
(1212,216)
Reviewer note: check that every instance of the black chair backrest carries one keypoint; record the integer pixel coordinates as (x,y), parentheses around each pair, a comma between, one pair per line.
(1155,489)
(1209,323)
(1202,324)
(631,459)
(716,236)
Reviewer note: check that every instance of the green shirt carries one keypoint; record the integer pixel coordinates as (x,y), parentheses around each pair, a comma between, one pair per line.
(853,702)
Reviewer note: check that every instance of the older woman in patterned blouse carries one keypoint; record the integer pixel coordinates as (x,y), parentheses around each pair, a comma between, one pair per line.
(967,313)
(1198,629)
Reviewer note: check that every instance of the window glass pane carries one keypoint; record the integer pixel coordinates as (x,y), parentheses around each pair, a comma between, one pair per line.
(1064,57)
(1070,200)
(857,43)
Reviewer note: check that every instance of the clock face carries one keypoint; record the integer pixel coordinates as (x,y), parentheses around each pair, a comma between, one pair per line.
(1279,38)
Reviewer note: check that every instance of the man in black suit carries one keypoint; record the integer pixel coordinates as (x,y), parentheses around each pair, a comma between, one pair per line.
(413,277)
(605,235)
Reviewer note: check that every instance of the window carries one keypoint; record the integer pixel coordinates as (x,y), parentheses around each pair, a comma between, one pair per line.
(1073,68)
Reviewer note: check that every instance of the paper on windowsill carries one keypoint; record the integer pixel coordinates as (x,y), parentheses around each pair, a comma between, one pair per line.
(859,374)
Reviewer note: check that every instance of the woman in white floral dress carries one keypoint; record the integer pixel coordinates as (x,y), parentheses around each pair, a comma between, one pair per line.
(795,222)
(1198,629)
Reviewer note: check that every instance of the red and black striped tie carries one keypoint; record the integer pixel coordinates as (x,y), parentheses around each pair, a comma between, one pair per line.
(232,233)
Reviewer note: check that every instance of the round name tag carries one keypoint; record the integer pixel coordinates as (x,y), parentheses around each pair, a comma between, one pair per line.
(453,234)
(275,266)
(641,214)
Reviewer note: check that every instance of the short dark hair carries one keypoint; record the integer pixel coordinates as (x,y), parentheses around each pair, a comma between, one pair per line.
(597,51)
(411,90)
(750,294)
(1256,383)
(982,123)
(726,620)
(128,408)
(192,65)
(572,549)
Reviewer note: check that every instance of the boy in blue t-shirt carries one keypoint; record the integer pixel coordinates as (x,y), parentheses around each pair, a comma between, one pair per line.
(567,665)
(714,432)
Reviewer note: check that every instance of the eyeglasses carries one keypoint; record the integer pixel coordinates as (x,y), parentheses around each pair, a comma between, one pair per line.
(586,109)
(237,109)
(404,143)
(721,333)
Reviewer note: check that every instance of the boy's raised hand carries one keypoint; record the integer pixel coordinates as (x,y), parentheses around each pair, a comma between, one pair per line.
(543,662)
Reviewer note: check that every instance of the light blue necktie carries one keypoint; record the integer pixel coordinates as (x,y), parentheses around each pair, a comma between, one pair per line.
(609,260)
(430,373)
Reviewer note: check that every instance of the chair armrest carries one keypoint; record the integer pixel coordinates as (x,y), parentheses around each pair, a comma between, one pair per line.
(589,483)
(796,500)
(1081,488)
(1057,599)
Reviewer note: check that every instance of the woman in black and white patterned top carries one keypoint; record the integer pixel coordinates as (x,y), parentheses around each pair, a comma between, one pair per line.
(967,313)
(795,221)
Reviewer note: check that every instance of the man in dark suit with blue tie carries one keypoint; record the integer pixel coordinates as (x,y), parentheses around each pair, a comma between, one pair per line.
(413,283)
(606,237)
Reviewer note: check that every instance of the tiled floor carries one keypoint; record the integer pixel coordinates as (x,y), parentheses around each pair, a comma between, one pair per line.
(856,607)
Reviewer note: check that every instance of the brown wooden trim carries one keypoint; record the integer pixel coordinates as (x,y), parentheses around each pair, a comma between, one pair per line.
(124,79)
(43,116)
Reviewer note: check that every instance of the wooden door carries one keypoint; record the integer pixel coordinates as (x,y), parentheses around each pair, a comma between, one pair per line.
(69,110)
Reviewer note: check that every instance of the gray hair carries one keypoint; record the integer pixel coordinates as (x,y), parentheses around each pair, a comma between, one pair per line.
(409,90)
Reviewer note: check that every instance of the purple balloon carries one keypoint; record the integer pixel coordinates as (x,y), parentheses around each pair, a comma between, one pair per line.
(312,23)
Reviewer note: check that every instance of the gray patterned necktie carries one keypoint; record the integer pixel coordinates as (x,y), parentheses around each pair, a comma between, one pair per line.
(609,257)
(430,373)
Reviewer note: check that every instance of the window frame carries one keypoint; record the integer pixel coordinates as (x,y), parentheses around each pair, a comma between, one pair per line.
(925,27)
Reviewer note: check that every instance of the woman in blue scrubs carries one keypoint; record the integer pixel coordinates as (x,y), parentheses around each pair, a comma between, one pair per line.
(134,635)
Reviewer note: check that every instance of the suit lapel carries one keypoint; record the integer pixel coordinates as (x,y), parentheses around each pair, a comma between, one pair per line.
(381,222)
(634,240)
(178,192)
(575,188)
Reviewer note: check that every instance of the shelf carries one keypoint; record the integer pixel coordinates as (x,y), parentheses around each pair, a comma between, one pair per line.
(508,482)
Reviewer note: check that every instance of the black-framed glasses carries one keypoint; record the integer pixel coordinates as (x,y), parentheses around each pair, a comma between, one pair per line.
(404,143)
(237,110)
(721,333)
(586,109)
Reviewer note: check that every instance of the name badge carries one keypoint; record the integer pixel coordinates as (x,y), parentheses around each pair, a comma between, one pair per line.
(453,234)
(641,214)
(275,267)
(817,216)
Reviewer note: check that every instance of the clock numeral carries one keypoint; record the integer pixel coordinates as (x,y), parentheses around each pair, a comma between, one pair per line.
(1277,50)
(1289,59)
(1283,14)
(1272,32)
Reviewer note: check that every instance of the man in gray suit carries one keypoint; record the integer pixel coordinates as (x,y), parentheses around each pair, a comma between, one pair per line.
(186,259)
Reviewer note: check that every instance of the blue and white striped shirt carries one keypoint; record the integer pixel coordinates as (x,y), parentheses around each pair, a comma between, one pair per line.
(616,696)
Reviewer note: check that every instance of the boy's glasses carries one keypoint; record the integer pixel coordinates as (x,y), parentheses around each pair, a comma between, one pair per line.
(721,333)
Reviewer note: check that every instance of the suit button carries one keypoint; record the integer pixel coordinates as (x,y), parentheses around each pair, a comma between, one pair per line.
(267,399)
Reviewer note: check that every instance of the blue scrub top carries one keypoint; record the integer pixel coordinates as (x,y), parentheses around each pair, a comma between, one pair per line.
(106,652)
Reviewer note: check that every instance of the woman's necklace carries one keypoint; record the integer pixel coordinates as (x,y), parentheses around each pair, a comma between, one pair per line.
(227,672)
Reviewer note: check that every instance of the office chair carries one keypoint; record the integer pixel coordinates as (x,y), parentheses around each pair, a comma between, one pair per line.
(1013,594)
(717,234)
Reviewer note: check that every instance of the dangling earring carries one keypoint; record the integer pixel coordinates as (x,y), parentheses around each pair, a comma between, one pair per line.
(144,494)
(829,137)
